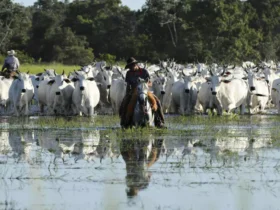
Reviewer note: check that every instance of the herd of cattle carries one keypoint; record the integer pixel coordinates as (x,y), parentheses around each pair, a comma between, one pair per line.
(182,89)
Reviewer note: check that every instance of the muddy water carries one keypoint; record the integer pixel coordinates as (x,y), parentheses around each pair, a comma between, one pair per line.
(195,164)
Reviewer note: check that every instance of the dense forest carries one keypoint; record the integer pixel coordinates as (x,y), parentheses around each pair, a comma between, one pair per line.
(76,32)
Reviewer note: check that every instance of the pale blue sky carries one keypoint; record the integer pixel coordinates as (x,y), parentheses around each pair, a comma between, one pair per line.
(133,4)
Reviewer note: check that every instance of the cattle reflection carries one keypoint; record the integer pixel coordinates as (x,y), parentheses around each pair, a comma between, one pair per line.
(77,145)
(22,144)
(139,156)
(229,149)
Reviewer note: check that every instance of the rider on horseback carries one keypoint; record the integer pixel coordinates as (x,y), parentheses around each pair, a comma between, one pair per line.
(11,64)
(129,101)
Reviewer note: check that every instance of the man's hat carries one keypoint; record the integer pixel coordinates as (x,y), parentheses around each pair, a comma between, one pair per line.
(130,61)
(11,52)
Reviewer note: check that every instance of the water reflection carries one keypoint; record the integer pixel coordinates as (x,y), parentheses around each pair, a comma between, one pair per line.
(86,167)
(21,143)
(139,155)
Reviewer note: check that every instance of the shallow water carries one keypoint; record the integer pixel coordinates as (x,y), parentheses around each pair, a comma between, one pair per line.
(198,163)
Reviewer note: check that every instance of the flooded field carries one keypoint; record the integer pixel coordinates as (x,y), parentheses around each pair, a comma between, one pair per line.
(201,162)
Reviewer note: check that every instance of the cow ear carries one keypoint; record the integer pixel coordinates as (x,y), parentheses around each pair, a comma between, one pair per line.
(67,80)
(15,77)
(39,74)
(74,79)
(90,79)
(244,78)
(50,82)
(208,79)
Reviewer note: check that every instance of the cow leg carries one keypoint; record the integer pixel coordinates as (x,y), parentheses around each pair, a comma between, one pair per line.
(41,108)
(242,109)
(172,107)
(16,110)
(90,111)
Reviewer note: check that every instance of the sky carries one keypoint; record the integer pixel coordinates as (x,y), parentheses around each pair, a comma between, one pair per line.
(133,4)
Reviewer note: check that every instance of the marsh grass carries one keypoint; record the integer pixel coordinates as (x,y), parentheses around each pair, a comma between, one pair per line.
(177,125)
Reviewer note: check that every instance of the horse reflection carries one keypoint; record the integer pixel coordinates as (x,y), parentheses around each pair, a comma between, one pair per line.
(139,156)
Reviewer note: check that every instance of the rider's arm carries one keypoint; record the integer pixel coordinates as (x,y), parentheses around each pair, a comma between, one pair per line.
(17,63)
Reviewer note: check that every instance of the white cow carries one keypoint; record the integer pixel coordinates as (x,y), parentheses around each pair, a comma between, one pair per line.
(233,94)
(59,97)
(117,92)
(5,85)
(191,83)
(21,93)
(86,94)
(205,98)
(171,78)
(42,87)
(104,80)
(275,94)
(270,77)
(259,92)
(158,80)
(229,94)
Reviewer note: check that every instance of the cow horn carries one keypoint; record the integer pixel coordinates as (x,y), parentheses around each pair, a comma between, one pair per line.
(223,72)
(168,69)
(183,72)
(156,72)
(210,70)
(63,72)
(102,68)
(145,65)
(120,73)
(76,72)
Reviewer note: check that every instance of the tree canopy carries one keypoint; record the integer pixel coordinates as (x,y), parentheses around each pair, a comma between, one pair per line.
(226,31)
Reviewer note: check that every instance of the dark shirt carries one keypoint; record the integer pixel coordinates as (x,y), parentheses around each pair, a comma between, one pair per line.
(131,77)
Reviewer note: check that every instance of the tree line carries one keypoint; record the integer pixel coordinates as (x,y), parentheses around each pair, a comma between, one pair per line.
(77,32)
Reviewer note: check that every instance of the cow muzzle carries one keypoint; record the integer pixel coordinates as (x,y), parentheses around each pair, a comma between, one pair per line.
(214,93)
(252,88)
(82,88)
(57,93)
(187,90)
(108,86)
(23,90)
(162,92)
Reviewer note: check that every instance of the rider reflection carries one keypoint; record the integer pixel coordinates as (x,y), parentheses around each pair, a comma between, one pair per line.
(139,156)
